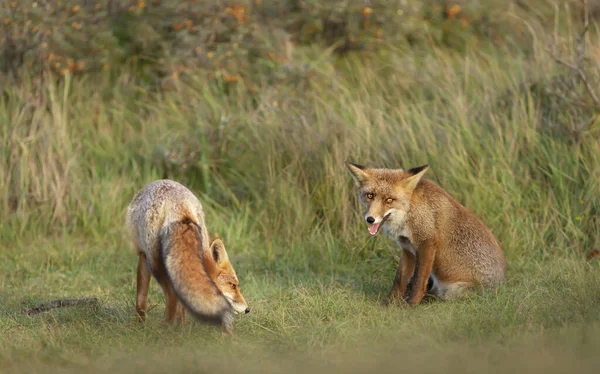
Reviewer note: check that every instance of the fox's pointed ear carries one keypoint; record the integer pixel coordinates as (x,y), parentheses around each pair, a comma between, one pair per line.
(359,173)
(218,252)
(415,175)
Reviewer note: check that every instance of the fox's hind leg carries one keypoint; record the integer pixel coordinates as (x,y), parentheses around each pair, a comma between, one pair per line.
(180,312)
(451,291)
(143,283)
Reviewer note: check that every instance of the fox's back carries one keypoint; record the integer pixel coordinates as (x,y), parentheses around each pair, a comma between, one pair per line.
(157,205)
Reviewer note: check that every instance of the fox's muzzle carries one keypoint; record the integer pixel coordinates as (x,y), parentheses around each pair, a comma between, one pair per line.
(375,226)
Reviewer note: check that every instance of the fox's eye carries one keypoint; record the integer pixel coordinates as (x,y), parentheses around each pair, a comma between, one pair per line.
(370,196)
(389,200)
(233,286)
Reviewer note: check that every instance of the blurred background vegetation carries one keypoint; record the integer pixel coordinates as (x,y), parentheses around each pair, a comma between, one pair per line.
(243,41)
(233,97)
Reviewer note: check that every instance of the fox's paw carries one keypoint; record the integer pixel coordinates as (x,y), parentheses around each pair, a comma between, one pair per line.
(141,315)
(412,300)
(228,331)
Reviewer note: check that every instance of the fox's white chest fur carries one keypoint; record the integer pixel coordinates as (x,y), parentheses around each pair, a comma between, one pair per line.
(396,227)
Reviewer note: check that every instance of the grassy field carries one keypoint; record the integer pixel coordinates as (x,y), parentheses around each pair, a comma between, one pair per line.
(505,129)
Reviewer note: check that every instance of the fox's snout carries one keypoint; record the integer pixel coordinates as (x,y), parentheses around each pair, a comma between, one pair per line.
(237,301)
(373,218)
(375,224)
(240,307)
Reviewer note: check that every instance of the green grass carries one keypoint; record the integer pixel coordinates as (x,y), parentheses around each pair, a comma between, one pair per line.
(268,167)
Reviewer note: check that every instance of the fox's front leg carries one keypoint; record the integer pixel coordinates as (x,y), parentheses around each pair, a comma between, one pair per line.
(424,263)
(405,271)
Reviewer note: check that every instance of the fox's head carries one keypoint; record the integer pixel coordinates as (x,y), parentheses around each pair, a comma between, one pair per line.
(222,274)
(385,193)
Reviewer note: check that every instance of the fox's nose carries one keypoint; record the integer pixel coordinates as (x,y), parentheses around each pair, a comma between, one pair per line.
(370,219)
(247,310)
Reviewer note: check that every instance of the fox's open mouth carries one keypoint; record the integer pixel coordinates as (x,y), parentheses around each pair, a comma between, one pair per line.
(375,227)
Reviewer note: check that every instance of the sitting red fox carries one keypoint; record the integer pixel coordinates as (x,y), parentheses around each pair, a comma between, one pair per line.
(439,237)
(166,225)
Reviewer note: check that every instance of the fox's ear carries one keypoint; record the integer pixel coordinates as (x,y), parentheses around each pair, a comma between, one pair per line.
(359,173)
(218,252)
(415,175)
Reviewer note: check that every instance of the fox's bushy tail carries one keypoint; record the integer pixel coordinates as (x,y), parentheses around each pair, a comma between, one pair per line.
(184,263)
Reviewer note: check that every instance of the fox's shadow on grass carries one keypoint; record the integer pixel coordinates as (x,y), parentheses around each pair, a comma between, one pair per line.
(67,311)
(62,303)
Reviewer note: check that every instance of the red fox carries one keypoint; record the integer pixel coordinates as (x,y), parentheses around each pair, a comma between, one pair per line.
(166,225)
(440,238)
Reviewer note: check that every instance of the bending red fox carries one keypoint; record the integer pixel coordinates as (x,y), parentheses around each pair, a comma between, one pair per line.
(165,221)
(440,238)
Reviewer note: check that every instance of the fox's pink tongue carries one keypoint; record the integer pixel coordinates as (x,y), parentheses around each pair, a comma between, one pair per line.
(373,228)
